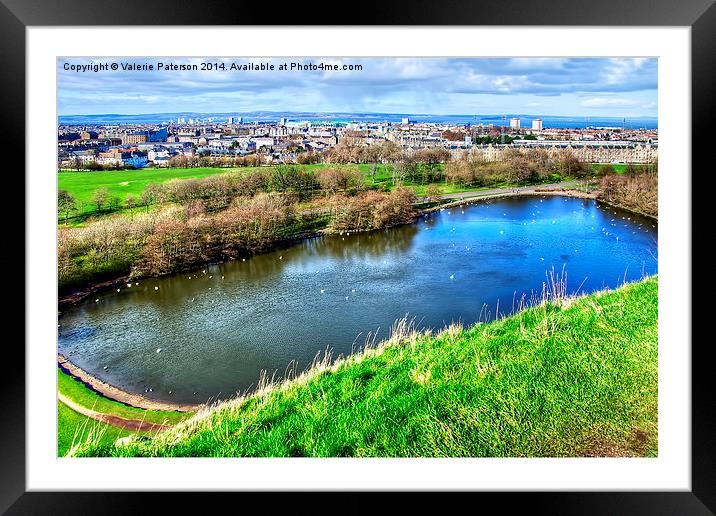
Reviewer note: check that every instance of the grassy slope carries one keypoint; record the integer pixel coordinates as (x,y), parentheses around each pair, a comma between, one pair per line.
(70,421)
(570,380)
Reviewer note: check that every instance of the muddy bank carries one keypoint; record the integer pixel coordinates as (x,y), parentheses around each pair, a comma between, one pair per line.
(116,394)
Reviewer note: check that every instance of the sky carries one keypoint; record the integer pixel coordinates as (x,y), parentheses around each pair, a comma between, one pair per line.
(619,87)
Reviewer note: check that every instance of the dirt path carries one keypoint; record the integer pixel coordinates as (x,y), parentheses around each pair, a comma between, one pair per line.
(559,189)
(114,393)
(126,424)
(513,190)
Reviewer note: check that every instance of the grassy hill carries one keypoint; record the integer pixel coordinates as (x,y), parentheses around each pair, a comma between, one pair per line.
(572,377)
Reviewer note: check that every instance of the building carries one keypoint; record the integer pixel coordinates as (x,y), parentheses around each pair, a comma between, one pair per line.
(134,137)
(405,121)
(514,123)
(587,151)
(537,124)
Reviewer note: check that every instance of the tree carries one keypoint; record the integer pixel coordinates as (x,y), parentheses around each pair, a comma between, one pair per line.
(66,203)
(100,197)
(131,202)
(432,192)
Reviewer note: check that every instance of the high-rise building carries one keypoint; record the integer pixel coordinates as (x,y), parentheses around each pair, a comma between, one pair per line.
(514,123)
(537,124)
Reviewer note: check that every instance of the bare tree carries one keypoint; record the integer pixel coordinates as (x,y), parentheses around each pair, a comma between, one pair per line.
(100,197)
(66,203)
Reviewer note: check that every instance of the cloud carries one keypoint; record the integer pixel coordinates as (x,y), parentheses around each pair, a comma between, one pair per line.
(602,102)
(408,85)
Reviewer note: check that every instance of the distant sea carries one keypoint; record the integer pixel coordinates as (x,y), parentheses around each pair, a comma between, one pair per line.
(266,116)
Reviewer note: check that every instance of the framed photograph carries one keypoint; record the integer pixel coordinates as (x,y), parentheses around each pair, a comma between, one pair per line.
(423,255)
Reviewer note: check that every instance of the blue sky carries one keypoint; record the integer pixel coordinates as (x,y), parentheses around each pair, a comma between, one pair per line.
(623,87)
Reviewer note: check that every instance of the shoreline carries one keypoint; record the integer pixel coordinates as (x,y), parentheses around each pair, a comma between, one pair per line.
(116,394)
(553,192)
(75,296)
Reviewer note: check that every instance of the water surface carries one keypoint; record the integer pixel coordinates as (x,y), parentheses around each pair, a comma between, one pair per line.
(219,326)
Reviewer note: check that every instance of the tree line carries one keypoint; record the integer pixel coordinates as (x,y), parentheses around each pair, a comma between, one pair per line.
(186,234)
(637,189)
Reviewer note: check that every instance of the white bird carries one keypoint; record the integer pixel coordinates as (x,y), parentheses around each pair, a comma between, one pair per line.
(346,297)
(502,232)
(322,291)
(554,222)
(243,259)
(281,257)
(211,277)
(96,300)
(105,368)
(159,350)
(452,276)
(156,288)
(129,285)
(189,277)
(353,290)
(117,290)
(222,277)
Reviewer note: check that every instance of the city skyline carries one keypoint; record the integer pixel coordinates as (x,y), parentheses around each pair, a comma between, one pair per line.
(594,87)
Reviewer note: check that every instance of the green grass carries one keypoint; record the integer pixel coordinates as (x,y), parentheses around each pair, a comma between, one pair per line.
(82,395)
(573,378)
(75,428)
(619,168)
(72,426)
(122,183)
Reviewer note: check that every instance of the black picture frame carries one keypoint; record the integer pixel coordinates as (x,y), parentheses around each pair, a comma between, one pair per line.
(700,15)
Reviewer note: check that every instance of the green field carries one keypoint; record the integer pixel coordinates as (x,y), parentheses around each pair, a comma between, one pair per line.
(122,183)
(576,377)
(70,422)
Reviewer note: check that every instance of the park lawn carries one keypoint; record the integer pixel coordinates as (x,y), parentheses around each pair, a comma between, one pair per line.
(619,168)
(82,395)
(576,377)
(122,183)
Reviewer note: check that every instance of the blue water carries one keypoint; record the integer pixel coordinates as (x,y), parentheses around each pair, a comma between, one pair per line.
(526,119)
(220,328)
